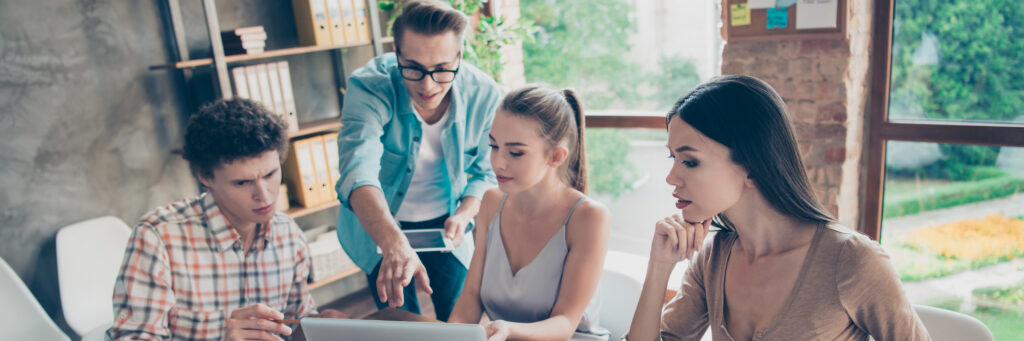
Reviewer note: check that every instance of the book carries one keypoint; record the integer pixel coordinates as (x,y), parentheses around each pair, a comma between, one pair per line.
(287,96)
(240,83)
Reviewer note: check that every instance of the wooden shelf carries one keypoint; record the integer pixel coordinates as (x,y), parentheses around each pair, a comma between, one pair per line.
(387,40)
(336,277)
(244,57)
(318,126)
(296,212)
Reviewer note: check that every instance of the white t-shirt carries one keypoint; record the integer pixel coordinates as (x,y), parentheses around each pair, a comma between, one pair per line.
(425,199)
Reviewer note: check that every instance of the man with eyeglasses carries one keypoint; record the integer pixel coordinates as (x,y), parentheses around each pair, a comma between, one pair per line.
(413,154)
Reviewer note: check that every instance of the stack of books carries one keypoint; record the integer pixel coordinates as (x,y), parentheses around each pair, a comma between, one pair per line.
(244,40)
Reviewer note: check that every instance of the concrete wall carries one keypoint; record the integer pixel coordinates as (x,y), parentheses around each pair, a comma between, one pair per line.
(87,129)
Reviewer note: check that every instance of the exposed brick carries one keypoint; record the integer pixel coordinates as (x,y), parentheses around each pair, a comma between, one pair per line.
(823,47)
(802,66)
(763,48)
(834,112)
(805,150)
(833,67)
(835,154)
(733,68)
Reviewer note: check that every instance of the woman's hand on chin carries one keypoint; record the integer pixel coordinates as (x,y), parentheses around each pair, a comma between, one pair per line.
(676,240)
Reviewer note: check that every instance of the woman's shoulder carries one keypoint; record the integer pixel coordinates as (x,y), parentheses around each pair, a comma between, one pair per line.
(589,207)
(489,207)
(588,216)
(848,241)
(852,253)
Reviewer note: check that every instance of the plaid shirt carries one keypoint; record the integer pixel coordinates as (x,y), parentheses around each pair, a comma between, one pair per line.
(184,272)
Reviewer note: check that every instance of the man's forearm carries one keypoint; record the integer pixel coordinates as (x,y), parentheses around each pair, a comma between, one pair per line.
(371,207)
(469,206)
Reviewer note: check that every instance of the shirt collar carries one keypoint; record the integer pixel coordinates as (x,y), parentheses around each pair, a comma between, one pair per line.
(223,235)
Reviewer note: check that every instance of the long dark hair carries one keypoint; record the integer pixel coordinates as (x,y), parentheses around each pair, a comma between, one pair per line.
(561,119)
(746,115)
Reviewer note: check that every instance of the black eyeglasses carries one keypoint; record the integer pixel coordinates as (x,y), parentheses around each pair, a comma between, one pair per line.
(415,73)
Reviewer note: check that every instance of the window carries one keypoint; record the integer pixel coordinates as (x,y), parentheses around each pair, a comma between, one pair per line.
(628,62)
(945,181)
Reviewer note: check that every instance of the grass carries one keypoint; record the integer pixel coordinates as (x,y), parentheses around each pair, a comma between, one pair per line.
(1009,296)
(904,196)
(1004,324)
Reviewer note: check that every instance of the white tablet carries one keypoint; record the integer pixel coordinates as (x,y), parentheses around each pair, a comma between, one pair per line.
(427,240)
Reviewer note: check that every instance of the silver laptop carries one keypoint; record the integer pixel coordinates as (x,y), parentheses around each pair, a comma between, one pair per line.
(326,329)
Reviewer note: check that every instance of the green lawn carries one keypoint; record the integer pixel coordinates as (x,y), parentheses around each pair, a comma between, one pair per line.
(1006,325)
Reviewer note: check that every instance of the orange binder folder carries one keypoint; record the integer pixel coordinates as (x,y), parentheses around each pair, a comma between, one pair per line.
(300,175)
(362,19)
(348,10)
(311,22)
(323,173)
(331,149)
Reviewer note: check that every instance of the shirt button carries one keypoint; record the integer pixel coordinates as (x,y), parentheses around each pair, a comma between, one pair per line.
(416,139)
(401,193)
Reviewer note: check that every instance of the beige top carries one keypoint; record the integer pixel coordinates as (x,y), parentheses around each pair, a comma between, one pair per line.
(846,290)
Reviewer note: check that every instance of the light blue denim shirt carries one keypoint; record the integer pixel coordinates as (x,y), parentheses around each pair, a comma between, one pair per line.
(380,138)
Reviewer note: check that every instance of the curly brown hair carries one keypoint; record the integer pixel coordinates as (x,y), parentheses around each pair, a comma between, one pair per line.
(228,130)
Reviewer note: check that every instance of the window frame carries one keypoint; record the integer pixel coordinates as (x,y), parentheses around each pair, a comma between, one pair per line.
(882,130)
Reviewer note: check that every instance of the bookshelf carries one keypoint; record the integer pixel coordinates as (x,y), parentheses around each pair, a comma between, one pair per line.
(189,68)
(299,212)
(316,127)
(187,64)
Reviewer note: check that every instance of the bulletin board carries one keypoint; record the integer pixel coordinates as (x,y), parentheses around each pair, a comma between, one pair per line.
(757,29)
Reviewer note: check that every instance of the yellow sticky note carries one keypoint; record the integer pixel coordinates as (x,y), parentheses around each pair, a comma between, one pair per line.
(740,14)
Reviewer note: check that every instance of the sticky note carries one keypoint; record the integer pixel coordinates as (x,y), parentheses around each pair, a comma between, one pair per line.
(777,18)
(740,15)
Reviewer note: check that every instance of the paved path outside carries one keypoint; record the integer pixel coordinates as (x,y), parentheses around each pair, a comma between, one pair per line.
(959,285)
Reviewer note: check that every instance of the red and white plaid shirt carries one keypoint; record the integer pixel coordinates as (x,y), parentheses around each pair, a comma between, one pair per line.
(185,271)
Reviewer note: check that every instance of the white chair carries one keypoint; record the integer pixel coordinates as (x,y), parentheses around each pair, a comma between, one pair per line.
(21,316)
(619,296)
(946,325)
(89,256)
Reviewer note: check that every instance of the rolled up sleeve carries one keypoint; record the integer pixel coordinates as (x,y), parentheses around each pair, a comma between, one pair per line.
(359,147)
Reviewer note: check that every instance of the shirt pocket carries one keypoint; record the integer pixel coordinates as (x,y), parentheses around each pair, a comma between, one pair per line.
(392,166)
(197,325)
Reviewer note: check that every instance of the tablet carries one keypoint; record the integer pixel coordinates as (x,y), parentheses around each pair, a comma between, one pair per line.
(427,240)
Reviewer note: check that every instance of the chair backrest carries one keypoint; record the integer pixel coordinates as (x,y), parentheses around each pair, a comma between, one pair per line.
(619,296)
(89,256)
(21,316)
(949,325)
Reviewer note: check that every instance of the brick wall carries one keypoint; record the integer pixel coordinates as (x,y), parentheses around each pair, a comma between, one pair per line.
(824,84)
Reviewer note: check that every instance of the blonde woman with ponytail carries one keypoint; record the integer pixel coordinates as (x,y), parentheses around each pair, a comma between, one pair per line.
(540,241)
